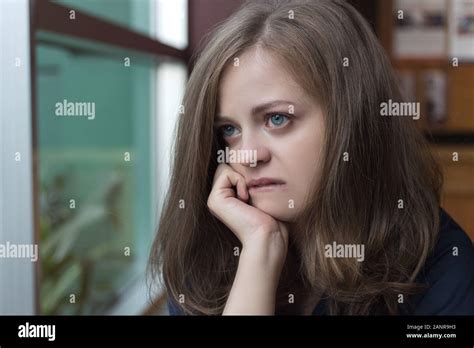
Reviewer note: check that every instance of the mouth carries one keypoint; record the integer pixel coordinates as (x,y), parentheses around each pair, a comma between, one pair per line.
(265,185)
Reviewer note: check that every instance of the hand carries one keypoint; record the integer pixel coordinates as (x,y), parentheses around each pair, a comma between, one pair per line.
(259,233)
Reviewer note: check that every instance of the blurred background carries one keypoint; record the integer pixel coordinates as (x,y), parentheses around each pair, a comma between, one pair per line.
(88,190)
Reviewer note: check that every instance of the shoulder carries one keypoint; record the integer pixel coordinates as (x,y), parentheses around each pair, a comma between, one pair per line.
(448,273)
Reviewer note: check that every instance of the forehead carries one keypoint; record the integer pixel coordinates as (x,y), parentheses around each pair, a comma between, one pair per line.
(256,76)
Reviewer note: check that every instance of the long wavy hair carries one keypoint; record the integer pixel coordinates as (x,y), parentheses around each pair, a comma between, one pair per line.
(334,55)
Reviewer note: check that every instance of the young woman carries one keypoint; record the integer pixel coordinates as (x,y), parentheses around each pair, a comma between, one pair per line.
(334,209)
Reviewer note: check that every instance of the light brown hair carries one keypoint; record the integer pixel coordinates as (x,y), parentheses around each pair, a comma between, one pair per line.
(354,202)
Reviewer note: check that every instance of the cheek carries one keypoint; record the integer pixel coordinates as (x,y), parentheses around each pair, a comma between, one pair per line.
(304,160)
(308,165)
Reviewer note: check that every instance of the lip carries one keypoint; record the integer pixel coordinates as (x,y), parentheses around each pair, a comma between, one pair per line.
(265,185)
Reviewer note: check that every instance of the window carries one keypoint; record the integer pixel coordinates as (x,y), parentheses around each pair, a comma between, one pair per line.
(105,110)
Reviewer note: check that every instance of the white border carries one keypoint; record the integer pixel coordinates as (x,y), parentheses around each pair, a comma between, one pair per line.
(17,286)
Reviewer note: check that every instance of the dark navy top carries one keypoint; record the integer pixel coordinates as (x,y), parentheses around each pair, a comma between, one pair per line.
(449,274)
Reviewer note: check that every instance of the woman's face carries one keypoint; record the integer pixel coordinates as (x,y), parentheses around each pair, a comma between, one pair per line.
(264,113)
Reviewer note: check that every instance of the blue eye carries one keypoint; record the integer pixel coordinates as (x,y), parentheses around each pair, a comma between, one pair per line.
(227,130)
(278,119)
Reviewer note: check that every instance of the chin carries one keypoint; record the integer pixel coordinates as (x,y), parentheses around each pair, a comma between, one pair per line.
(278,212)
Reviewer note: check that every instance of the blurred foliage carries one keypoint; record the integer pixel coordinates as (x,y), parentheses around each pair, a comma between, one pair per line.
(81,248)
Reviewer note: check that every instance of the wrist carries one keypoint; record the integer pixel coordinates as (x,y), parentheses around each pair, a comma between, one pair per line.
(267,246)
(265,263)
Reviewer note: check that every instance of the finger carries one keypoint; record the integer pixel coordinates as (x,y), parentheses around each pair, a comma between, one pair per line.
(235,180)
(220,169)
(284,230)
(227,179)
(242,192)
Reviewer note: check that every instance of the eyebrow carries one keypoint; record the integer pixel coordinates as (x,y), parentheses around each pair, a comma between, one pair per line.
(257,109)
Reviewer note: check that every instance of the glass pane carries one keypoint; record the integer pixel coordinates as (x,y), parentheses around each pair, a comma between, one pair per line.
(171,79)
(172,22)
(132,14)
(97,171)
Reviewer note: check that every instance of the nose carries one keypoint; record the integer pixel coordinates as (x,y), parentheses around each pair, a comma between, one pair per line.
(255,150)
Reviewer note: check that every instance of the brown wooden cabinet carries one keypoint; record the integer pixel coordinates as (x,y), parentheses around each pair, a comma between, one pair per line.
(458,190)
